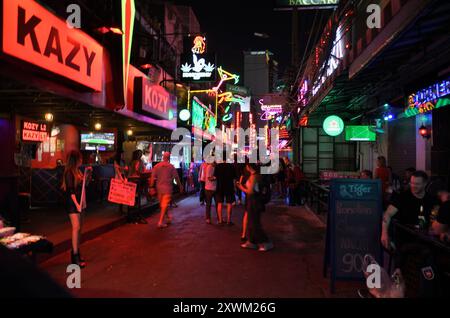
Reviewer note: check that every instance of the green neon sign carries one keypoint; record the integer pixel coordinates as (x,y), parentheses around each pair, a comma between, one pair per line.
(212,125)
(198,114)
(427,107)
(333,125)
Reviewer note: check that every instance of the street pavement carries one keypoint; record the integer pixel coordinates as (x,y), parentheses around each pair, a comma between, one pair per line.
(193,259)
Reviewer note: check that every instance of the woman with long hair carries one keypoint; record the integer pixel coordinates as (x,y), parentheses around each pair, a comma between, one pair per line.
(72,185)
(257,238)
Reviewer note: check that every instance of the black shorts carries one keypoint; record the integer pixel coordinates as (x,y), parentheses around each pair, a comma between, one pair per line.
(228,197)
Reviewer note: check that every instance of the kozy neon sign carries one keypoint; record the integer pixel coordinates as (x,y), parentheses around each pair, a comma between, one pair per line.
(34,35)
(153,99)
(421,99)
(32,131)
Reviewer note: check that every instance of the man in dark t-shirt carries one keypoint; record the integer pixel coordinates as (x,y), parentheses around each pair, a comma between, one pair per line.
(225,174)
(408,208)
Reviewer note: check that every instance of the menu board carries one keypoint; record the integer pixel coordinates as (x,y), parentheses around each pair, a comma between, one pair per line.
(353,227)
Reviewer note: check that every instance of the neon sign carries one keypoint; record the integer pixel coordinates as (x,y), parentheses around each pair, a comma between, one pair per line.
(225,77)
(421,99)
(333,126)
(153,99)
(32,131)
(331,65)
(199,69)
(199,45)
(198,114)
(308,3)
(269,110)
(128,14)
(34,35)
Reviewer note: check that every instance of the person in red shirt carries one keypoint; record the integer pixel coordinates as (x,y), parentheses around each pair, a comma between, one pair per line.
(384,174)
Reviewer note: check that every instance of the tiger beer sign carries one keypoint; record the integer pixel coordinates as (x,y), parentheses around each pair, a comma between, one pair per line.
(32,34)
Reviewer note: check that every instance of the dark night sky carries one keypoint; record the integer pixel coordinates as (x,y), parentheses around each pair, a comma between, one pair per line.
(230,25)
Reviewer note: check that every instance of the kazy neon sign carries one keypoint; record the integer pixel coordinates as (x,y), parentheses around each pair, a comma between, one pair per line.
(34,35)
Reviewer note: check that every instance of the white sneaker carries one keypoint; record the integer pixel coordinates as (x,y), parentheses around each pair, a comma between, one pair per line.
(265,247)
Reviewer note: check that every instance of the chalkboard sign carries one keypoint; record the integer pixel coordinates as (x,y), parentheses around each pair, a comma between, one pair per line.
(353,227)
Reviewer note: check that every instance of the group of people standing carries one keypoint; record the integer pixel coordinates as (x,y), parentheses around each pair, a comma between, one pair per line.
(222,182)
(288,182)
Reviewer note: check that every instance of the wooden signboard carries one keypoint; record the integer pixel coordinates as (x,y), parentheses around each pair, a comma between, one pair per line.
(353,228)
(122,192)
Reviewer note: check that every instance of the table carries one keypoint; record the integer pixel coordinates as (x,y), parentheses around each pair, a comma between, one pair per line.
(318,196)
(440,252)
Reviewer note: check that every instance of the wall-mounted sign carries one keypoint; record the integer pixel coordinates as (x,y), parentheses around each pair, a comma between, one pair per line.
(307,4)
(240,90)
(199,45)
(428,99)
(270,110)
(32,34)
(333,126)
(198,67)
(333,62)
(153,99)
(34,131)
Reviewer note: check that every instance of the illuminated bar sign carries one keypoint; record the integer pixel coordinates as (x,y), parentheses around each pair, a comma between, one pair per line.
(307,4)
(32,34)
(153,99)
(428,99)
(33,131)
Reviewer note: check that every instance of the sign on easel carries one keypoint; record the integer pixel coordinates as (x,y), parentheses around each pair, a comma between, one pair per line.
(353,228)
(122,192)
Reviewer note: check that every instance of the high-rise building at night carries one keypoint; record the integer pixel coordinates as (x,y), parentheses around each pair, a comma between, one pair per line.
(260,72)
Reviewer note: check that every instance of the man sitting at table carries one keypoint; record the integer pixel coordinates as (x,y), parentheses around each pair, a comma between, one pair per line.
(408,206)
(441,226)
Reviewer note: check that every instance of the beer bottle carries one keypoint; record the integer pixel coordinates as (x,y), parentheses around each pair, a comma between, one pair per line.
(422,221)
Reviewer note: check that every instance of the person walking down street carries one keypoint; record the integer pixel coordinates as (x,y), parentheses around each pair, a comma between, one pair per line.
(202,181)
(257,238)
(210,191)
(242,180)
(225,175)
(74,186)
(299,176)
(290,177)
(163,175)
